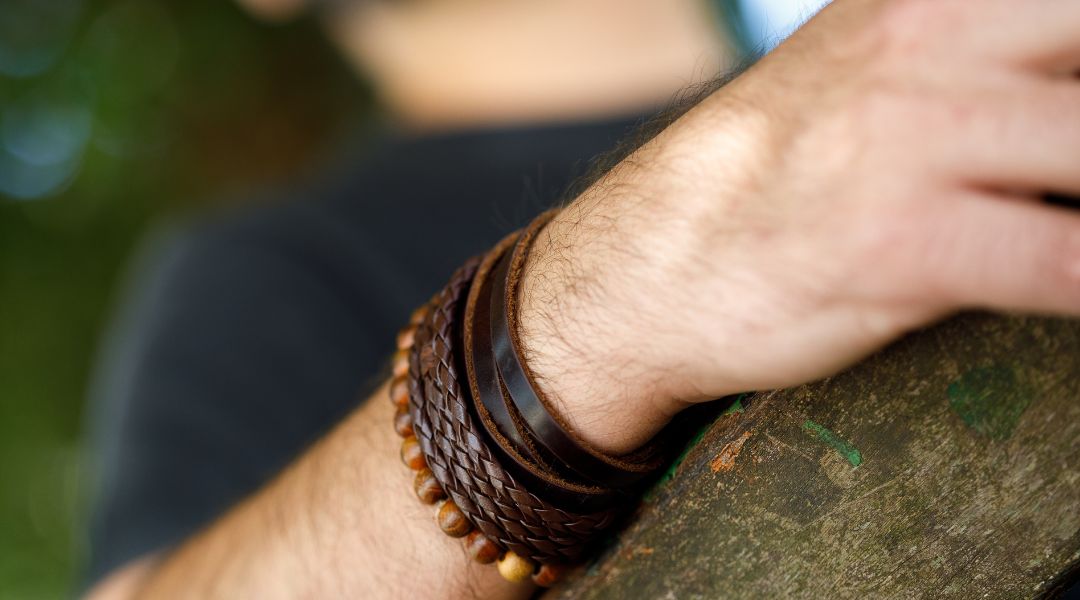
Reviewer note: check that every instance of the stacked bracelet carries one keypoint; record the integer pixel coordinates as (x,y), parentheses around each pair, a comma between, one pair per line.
(534,411)
(450,518)
(506,473)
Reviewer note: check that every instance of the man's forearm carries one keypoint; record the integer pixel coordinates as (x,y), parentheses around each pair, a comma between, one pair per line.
(342,521)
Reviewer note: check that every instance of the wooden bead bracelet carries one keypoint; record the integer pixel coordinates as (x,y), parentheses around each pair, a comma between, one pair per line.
(511,512)
(503,471)
(449,517)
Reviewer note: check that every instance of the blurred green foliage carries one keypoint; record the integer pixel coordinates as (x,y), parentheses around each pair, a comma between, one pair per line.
(114,114)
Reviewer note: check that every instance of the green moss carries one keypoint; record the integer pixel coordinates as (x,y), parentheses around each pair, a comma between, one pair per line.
(990,400)
(842,446)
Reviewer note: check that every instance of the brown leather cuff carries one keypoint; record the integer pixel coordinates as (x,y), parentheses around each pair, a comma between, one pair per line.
(458,453)
(543,424)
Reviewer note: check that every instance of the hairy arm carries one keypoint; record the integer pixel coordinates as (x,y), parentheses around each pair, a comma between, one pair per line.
(341,522)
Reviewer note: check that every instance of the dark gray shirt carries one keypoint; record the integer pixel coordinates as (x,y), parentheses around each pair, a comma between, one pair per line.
(247,337)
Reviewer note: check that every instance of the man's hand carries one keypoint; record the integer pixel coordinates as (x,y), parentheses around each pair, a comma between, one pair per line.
(881,169)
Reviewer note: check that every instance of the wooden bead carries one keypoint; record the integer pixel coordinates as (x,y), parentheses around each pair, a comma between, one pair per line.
(401,363)
(515,568)
(452,521)
(403,422)
(411,454)
(481,549)
(418,315)
(399,391)
(548,575)
(427,487)
(405,338)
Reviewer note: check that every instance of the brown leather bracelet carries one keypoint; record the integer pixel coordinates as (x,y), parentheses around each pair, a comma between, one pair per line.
(497,414)
(459,456)
(548,430)
(491,404)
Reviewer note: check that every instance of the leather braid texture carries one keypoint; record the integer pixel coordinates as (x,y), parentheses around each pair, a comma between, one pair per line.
(456,448)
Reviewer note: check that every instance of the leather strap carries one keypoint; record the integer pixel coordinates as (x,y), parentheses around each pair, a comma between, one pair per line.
(554,435)
(480,364)
(458,453)
(498,416)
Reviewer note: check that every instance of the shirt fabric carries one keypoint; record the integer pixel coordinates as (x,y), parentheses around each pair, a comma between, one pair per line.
(246,338)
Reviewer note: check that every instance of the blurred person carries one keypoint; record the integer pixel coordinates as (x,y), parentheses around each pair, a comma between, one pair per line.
(880,170)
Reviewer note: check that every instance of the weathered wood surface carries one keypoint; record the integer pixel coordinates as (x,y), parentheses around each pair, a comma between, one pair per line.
(947,466)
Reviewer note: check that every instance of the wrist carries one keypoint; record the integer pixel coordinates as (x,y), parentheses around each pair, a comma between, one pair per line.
(613,307)
(580,343)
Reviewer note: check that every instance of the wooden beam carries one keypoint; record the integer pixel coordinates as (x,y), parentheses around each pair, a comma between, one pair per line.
(946,466)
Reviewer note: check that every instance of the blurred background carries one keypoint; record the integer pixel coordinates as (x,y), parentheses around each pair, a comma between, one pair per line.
(115,116)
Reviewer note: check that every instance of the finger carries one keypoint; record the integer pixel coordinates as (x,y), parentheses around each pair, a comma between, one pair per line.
(1024,140)
(1039,34)
(998,253)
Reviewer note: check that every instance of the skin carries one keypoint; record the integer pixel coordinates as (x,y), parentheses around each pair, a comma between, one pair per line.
(341,522)
(557,60)
(879,171)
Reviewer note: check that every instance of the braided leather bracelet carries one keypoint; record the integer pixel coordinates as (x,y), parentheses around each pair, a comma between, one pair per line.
(534,492)
(406,393)
(501,507)
(449,517)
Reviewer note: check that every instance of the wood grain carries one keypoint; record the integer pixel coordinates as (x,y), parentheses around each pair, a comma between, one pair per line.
(946,466)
